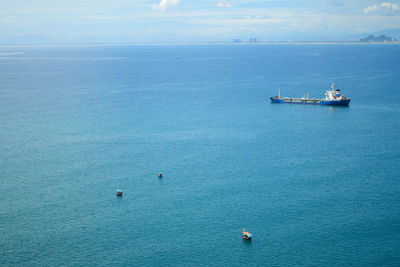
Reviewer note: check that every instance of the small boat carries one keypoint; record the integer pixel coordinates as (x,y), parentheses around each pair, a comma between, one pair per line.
(246,235)
(118,193)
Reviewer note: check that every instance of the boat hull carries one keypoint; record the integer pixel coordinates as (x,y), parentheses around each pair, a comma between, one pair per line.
(343,102)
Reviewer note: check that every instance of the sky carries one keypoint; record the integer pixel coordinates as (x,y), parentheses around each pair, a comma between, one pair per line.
(131,21)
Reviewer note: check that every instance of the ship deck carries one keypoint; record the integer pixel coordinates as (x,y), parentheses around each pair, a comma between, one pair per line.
(309,101)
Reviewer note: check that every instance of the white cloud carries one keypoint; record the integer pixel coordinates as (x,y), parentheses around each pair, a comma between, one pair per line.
(164,4)
(384,8)
(224,4)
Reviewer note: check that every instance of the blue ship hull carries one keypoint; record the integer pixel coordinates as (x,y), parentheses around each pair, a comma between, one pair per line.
(343,102)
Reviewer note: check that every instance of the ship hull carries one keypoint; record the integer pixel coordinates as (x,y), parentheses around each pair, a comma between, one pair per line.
(343,102)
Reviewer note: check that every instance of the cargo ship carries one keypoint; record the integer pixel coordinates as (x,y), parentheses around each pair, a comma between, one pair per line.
(332,97)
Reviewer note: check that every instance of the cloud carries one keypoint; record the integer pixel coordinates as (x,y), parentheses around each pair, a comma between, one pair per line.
(384,8)
(336,2)
(224,4)
(164,4)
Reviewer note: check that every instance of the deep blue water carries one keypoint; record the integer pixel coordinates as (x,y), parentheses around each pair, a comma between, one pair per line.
(315,185)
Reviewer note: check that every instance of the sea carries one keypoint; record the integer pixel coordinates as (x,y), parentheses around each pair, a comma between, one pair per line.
(315,185)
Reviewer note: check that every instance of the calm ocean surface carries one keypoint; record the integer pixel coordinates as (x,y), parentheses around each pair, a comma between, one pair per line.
(315,185)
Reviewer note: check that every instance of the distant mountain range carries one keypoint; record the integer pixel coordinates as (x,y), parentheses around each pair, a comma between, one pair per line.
(387,36)
(380,38)
(393,33)
(329,37)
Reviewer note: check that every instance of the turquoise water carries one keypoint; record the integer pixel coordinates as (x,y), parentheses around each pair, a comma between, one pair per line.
(315,185)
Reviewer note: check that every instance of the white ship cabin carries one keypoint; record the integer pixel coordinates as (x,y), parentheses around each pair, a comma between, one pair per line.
(333,94)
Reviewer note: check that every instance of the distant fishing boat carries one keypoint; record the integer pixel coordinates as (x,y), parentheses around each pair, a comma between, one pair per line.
(246,235)
(332,97)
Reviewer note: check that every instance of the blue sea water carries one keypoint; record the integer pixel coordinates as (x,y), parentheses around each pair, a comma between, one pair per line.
(315,185)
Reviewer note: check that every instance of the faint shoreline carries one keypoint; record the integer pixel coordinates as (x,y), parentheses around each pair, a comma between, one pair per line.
(199,43)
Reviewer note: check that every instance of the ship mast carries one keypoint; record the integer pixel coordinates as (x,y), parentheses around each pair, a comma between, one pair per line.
(279,92)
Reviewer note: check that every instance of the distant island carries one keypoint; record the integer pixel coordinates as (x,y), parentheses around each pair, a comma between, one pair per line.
(381,38)
(378,38)
(370,39)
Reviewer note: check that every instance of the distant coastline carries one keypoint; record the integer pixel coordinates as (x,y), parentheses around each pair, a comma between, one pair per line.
(209,43)
(369,40)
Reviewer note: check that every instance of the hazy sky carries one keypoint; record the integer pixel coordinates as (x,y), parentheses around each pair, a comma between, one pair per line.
(191,20)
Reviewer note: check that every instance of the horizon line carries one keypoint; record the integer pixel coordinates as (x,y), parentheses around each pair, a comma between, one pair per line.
(197,43)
